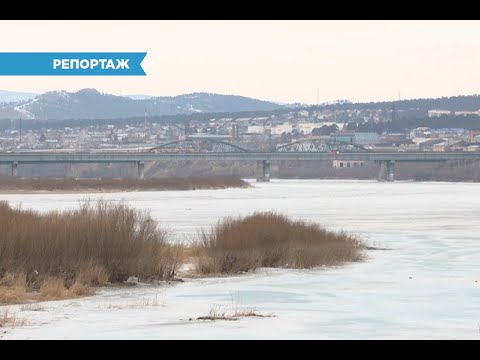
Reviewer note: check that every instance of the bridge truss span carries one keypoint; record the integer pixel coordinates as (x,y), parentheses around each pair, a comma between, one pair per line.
(320,146)
(198,146)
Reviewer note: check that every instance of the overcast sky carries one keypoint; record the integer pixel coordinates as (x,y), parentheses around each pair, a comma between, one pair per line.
(286,61)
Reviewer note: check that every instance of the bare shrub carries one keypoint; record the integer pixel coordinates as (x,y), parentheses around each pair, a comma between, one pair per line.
(97,243)
(268,239)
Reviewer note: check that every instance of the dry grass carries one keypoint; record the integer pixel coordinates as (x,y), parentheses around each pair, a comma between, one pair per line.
(9,320)
(53,288)
(95,244)
(79,289)
(238,245)
(140,304)
(31,307)
(126,184)
(13,288)
(92,274)
(216,313)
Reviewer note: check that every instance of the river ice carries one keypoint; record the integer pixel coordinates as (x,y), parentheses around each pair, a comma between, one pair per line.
(427,286)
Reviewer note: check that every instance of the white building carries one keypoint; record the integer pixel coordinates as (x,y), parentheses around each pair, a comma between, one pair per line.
(280,129)
(306,128)
(438,113)
(256,129)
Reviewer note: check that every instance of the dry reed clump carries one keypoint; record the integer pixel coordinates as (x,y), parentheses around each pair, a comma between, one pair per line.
(53,288)
(91,274)
(268,239)
(127,184)
(79,289)
(95,244)
(13,288)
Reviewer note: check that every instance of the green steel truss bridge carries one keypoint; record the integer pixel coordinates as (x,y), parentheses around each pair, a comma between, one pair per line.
(214,150)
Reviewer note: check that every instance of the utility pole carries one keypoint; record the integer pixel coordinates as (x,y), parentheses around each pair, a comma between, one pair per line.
(20,130)
(145,126)
(145,123)
(393,107)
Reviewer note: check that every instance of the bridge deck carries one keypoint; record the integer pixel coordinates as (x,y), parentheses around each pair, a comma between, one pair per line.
(130,157)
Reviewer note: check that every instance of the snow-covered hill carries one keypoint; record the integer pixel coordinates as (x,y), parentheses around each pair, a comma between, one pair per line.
(91,104)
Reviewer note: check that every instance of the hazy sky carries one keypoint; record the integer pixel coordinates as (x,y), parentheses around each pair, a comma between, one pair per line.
(276,60)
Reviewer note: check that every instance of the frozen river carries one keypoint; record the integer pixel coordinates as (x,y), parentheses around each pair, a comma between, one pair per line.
(428,286)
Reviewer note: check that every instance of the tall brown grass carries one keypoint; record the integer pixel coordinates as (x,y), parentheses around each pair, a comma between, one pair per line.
(269,239)
(126,184)
(94,244)
(53,288)
(13,288)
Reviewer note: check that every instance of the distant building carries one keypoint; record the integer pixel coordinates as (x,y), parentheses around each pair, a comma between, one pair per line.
(340,125)
(51,144)
(420,132)
(395,138)
(465,113)
(343,136)
(343,164)
(366,138)
(438,113)
(306,128)
(255,129)
(473,147)
(280,129)
(440,147)
(359,138)
(429,144)
(209,137)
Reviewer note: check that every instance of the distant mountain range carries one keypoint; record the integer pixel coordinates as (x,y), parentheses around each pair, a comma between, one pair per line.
(12,96)
(91,104)
(452,103)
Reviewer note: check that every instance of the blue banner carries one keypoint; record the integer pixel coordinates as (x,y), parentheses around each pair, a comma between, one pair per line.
(72,64)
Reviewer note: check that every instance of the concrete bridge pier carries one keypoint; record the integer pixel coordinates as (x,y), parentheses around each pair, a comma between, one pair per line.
(387,170)
(141,169)
(391,170)
(14,169)
(382,172)
(263,167)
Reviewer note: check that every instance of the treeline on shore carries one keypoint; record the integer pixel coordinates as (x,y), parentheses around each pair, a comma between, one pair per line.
(117,184)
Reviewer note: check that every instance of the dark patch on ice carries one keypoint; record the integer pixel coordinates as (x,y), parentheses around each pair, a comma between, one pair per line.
(376,248)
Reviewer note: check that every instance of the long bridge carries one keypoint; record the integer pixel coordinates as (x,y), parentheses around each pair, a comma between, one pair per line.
(214,150)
